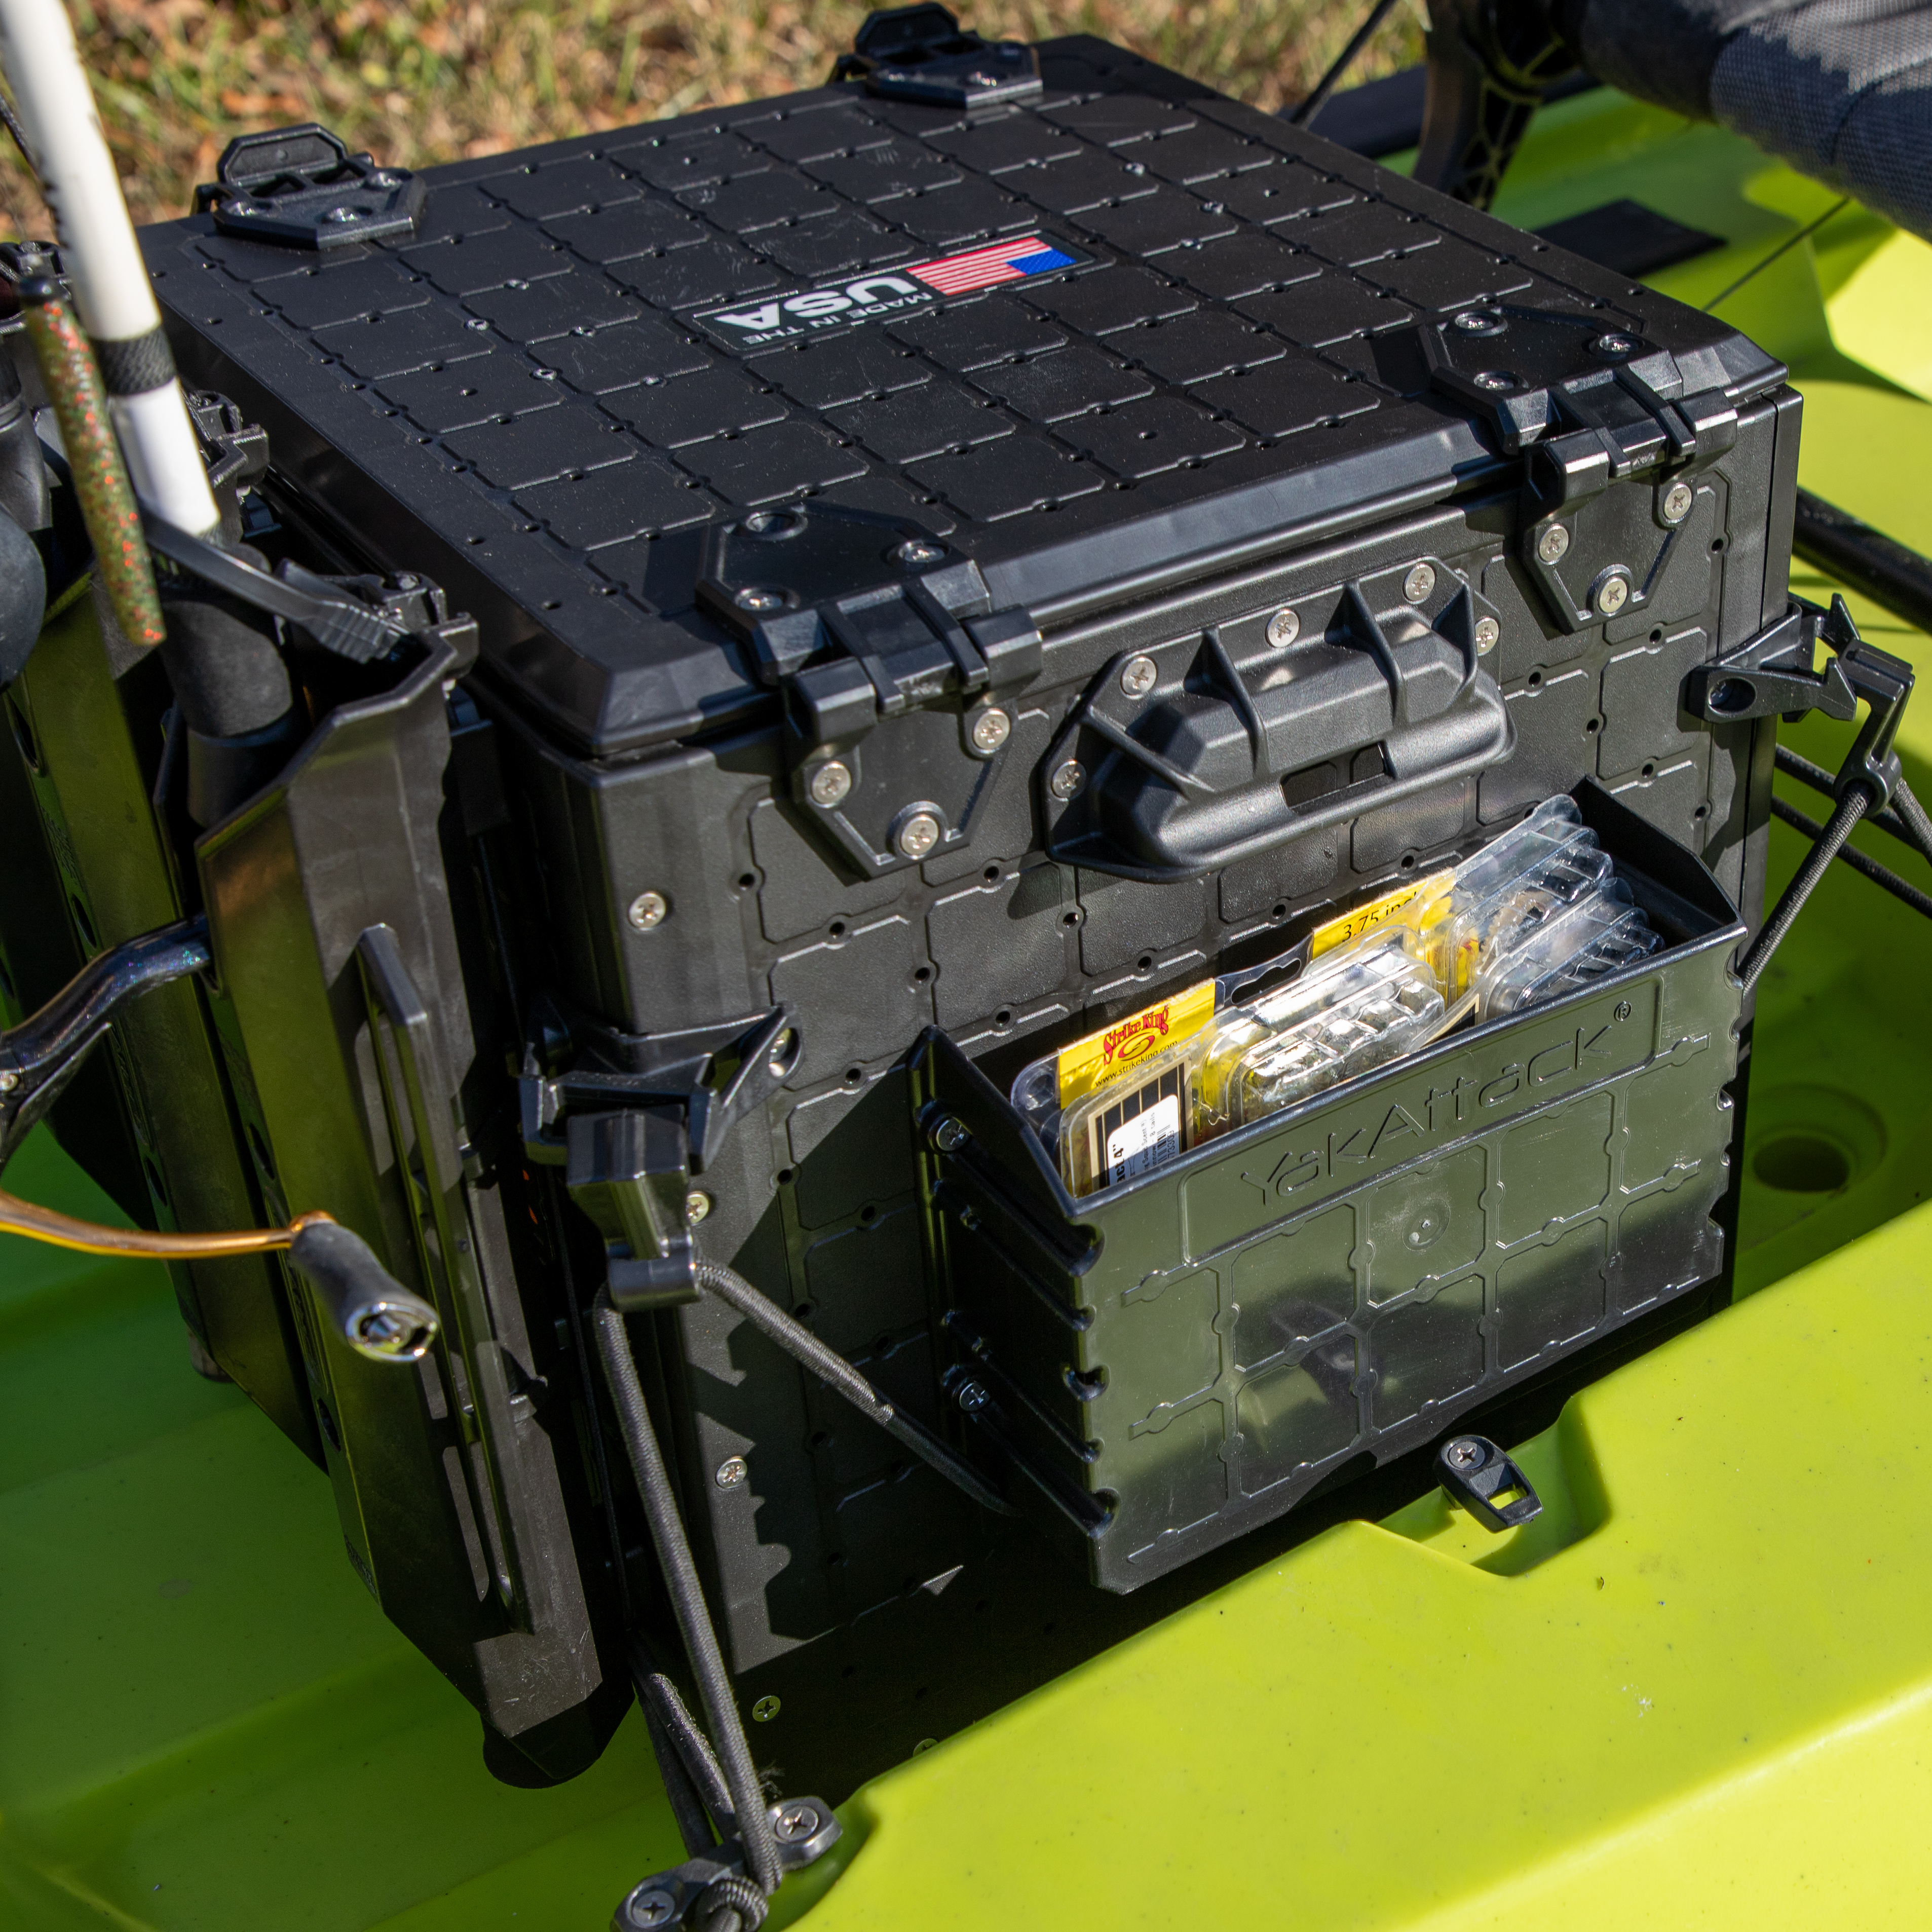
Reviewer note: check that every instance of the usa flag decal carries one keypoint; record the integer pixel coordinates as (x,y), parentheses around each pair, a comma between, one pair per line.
(982,267)
(765,322)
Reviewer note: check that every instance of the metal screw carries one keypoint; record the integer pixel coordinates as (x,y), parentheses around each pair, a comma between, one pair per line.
(1487,632)
(1496,380)
(796,1822)
(1419,583)
(697,1205)
(731,1472)
(950,1135)
(1283,628)
(342,214)
(408,580)
(1464,1453)
(1472,322)
(1553,543)
(918,550)
(830,783)
(647,910)
(918,835)
(756,597)
(991,729)
(1138,675)
(972,1396)
(1614,344)
(1613,592)
(1066,782)
(8,1082)
(765,1709)
(648,1910)
(1677,502)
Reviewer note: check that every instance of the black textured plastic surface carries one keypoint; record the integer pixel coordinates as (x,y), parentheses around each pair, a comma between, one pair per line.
(525,400)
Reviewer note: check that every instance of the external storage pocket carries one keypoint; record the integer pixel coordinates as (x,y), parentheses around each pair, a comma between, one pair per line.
(1184,1355)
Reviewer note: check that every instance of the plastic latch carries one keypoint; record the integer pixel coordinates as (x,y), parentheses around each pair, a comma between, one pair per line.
(922,53)
(300,186)
(857,618)
(1475,1473)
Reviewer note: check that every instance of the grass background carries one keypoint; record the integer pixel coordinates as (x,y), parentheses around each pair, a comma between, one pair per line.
(420,81)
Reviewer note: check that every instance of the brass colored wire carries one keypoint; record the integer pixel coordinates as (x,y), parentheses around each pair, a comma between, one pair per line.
(107,498)
(90,1238)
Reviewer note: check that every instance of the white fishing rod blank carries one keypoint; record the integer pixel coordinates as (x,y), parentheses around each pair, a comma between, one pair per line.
(102,263)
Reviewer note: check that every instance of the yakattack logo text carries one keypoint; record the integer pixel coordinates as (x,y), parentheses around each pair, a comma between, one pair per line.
(768,320)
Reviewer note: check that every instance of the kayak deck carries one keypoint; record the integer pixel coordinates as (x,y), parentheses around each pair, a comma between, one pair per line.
(1704,1674)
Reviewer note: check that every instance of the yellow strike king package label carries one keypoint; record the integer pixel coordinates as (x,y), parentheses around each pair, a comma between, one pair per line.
(1116,1051)
(1416,904)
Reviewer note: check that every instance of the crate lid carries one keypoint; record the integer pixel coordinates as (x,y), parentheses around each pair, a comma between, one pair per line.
(1129,325)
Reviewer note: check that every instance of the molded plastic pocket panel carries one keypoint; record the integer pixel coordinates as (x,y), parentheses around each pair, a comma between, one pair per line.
(1170,1361)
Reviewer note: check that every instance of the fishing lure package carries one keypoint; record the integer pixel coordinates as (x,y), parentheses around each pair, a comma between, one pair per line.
(1534,913)
(858,593)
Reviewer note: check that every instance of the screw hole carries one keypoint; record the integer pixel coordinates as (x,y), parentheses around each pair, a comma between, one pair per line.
(1702,812)
(1534,679)
(1408,862)
(868,1215)
(804,1312)
(855,1076)
(1648,772)
(1592,726)
(1657,636)
(785,1177)
(1004,1017)
(991,875)
(746,880)
(836,930)
(1278,911)
(1144,963)
(922,975)
(1069,919)
(1717,543)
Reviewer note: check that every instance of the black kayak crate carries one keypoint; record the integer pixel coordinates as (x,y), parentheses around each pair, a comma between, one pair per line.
(1173,1360)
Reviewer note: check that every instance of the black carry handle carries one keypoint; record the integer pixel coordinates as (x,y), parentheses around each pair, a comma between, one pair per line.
(368,1306)
(1135,786)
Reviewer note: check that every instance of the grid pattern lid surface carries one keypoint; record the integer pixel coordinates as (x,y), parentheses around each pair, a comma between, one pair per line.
(1132,322)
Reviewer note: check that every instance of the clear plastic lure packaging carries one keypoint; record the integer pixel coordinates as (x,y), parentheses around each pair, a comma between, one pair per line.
(1355,1009)
(1551,853)
(1121,1100)
(1577,943)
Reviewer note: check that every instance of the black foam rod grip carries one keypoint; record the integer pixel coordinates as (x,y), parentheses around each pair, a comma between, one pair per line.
(366,1305)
